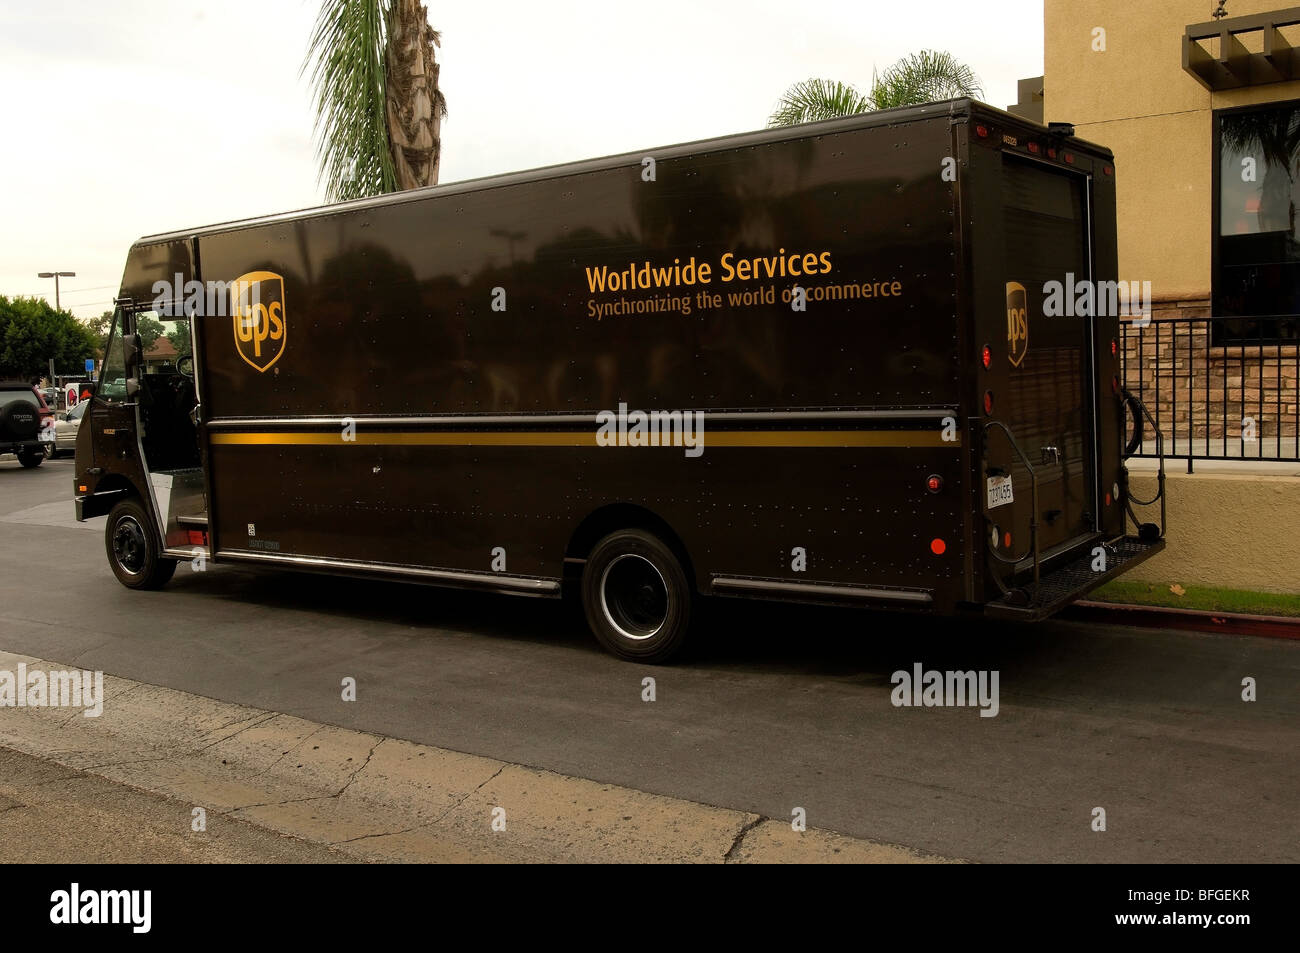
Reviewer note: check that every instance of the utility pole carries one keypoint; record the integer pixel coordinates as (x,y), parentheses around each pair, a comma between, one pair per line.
(56,275)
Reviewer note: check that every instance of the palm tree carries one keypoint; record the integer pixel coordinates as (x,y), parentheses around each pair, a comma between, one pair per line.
(923,77)
(379,110)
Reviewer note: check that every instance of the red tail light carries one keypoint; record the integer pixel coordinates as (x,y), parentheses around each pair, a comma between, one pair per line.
(988,402)
(986,357)
(938,547)
(934,483)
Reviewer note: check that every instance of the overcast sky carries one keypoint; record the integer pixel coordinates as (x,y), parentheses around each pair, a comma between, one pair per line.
(124,118)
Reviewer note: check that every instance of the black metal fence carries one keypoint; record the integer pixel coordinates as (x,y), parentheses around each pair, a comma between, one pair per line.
(1237,401)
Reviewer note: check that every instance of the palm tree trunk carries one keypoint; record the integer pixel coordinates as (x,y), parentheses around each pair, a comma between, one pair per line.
(415,104)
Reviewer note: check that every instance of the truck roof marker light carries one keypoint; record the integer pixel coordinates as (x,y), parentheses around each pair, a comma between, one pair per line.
(1108,170)
(934,483)
(1033,147)
(1051,153)
(938,547)
(986,357)
(1069,158)
(982,131)
(988,402)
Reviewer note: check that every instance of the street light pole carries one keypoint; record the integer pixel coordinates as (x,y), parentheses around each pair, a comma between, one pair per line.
(56,275)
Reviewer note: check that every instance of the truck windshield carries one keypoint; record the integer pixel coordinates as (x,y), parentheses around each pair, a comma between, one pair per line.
(112,379)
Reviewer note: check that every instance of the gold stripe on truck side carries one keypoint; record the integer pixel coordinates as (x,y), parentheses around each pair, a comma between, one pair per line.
(584,438)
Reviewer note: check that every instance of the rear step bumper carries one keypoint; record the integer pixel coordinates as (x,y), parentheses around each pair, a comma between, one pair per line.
(1064,585)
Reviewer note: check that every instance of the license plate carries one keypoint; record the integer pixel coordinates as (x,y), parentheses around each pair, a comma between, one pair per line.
(1000,491)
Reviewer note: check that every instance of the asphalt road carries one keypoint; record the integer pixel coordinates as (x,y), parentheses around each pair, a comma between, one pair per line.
(778,708)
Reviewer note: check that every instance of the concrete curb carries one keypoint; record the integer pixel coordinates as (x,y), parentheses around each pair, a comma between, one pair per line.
(383,799)
(1190,620)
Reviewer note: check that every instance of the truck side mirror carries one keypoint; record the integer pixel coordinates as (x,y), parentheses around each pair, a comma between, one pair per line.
(131,349)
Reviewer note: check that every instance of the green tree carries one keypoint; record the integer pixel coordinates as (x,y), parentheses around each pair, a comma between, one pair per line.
(99,328)
(179,335)
(379,110)
(924,77)
(150,330)
(32,334)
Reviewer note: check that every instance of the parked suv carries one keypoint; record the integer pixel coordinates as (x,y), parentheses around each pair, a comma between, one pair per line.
(26,422)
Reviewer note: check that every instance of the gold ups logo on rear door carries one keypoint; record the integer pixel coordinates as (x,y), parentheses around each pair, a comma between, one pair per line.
(1017,322)
(260,328)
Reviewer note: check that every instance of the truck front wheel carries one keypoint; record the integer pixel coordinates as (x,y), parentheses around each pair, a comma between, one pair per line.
(134,550)
(636,596)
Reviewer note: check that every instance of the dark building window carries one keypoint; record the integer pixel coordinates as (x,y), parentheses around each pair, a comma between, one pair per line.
(1256,255)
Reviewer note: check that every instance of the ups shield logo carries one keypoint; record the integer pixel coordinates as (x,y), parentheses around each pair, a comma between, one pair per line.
(1017,322)
(260,326)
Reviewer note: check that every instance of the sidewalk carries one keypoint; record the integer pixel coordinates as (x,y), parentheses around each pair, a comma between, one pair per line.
(362,796)
(1241,467)
(50,814)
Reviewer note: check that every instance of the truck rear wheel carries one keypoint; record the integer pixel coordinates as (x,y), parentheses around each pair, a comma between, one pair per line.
(134,550)
(636,596)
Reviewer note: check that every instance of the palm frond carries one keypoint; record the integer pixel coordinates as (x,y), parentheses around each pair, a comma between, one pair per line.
(815,99)
(1274,133)
(345,61)
(924,77)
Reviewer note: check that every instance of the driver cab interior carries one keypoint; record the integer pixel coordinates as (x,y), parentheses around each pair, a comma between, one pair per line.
(166,399)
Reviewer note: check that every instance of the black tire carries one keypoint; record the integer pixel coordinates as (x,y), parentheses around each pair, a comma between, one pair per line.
(31,458)
(637,597)
(134,549)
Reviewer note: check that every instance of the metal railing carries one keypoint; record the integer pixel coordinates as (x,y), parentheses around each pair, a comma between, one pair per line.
(1239,400)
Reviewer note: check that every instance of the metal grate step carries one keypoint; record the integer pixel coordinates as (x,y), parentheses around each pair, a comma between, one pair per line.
(1072,581)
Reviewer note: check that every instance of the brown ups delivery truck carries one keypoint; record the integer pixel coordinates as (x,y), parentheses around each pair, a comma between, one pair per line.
(815,364)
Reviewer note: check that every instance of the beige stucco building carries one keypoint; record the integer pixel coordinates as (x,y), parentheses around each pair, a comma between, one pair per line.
(1204,122)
